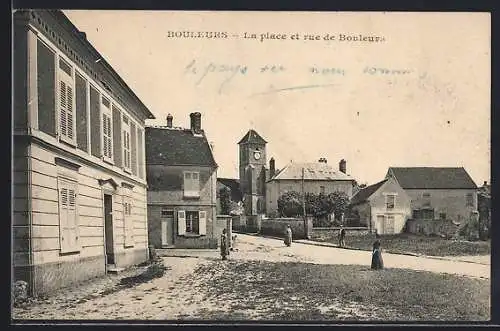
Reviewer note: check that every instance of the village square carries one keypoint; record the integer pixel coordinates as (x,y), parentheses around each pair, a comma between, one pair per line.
(120,213)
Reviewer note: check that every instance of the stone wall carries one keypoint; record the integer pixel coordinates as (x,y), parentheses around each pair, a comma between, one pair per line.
(351,231)
(277,226)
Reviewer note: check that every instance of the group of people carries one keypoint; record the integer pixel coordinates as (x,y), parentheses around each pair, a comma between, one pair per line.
(377,261)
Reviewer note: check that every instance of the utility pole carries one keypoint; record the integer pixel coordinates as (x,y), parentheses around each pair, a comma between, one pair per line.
(304,206)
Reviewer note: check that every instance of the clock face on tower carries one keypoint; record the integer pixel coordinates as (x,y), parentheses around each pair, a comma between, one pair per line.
(256,155)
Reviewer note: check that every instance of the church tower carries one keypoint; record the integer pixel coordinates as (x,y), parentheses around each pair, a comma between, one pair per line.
(253,172)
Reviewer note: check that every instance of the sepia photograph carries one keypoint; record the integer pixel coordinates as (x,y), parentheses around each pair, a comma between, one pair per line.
(250,166)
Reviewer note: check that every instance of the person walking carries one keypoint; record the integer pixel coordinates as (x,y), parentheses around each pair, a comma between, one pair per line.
(288,235)
(342,236)
(224,252)
(377,261)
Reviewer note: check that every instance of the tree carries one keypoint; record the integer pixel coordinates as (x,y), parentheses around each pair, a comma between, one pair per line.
(340,202)
(290,204)
(225,200)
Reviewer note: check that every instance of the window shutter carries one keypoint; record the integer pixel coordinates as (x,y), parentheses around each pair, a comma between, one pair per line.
(133,148)
(140,156)
(117,141)
(81,112)
(202,225)
(107,136)
(63,219)
(72,225)
(46,79)
(66,108)
(181,222)
(95,123)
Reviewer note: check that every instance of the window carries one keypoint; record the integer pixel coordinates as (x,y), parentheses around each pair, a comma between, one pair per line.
(167,213)
(426,199)
(68,223)
(128,220)
(126,144)
(192,222)
(107,136)
(67,122)
(390,200)
(442,216)
(191,184)
(321,190)
(469,200)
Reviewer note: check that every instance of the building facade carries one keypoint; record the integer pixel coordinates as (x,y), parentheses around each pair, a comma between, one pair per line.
(383,207)
(79,184)
(182,181)
(438,193)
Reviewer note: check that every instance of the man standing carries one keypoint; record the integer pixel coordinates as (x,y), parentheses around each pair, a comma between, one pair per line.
(224,252)
(342,237)
(288,235)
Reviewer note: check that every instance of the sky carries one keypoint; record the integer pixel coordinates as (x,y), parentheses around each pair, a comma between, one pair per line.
(308,88)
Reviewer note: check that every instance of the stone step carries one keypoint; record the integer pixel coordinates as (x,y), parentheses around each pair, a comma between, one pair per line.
(112,269)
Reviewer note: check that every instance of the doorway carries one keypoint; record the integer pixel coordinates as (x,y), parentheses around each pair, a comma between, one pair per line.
(108,228)
(167,228)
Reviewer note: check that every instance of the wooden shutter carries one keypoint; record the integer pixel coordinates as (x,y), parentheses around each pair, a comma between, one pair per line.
(66,103)
(181,222)
(140,155)
(46,80)
(68,217)
(202,225)
(107,147)
(126,143)
(63,219)
(95,123)
(133,148)
(128,221)
(117,134)
(81,112)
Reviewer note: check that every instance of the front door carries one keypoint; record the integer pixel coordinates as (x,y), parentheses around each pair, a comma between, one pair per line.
(108,228)
(167,229)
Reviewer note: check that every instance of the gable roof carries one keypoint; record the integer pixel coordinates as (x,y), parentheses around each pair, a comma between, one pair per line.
(252,137)
(366,192)
(312,171)
(432,177)
(177,146)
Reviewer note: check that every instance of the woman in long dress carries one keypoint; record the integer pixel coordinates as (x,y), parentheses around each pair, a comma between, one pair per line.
(377,261)
(288,236)
(224,252)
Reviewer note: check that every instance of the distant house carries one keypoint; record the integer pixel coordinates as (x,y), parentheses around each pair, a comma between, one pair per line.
(235,194)
(316,178)
(383,207)
(437,193)
(182,180)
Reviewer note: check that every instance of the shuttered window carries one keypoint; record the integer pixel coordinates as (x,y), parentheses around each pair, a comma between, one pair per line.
(140,154)
(107,136)
(117,136)
(95,122)
(191,222)
(68,217)
(133,148)
(126,144)
(128,219)
(81,113)
(66,103)
(46,79)
(191,184)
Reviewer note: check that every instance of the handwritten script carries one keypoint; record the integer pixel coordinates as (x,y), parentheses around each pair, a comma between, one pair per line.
(228,72)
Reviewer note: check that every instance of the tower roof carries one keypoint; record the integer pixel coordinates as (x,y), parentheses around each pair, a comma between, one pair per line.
(252,137)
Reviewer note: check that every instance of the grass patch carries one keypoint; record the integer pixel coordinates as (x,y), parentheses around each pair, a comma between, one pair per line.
(300,291)
(410,243)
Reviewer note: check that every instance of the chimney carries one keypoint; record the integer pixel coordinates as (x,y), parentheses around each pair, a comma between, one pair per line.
(322,160)
(195,122)
(169,120)
(272,167)
(342,166)
(485,183)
